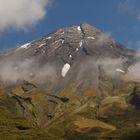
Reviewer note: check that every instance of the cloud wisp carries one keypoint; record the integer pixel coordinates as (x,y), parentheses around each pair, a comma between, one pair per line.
(133,73)
(21,14)
(130,7)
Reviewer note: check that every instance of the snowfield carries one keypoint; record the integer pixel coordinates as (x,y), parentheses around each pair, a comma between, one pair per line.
(65,69)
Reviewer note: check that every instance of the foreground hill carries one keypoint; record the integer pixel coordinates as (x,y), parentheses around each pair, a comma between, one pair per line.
(75,83)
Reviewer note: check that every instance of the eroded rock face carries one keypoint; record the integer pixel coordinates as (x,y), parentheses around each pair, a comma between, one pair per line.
(71,84)
(135,97)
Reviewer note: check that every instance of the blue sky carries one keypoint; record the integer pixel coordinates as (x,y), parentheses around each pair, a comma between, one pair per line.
(119,17)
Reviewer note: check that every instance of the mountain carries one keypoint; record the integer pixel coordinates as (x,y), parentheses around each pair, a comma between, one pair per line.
(74,83)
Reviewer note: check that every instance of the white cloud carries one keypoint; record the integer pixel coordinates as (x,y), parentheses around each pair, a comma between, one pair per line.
(134,44)
(130,7)
(21,14)
(138,16)
(138,44)
(104,37)
(127,6)
(133,73)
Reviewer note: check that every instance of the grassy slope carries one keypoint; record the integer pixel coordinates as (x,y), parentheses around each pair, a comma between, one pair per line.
(113,117)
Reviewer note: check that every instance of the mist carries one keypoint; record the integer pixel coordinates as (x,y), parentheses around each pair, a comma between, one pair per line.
(133,73)
(13,70)
(91,70)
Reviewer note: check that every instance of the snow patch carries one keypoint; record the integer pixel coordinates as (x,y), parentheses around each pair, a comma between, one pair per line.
(91,37)
(65,69)
(41,45)
(62,40)
(120,70)
(79,28)
(49,37)
(61,33)
(77,49)
(70,56)
(81,43)
(25,46)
